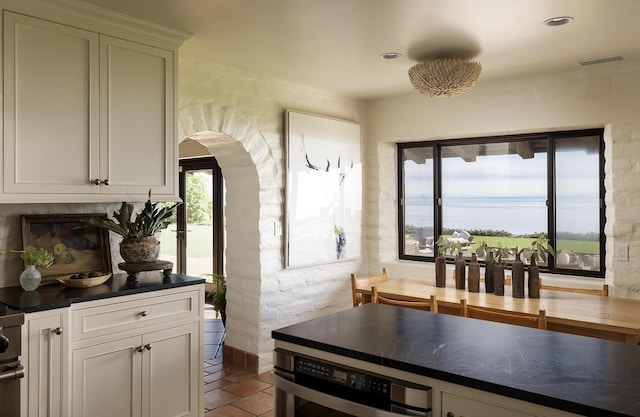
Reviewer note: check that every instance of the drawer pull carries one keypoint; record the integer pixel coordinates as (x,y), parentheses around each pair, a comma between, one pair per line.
(57,330)
(143,313)
(147,346)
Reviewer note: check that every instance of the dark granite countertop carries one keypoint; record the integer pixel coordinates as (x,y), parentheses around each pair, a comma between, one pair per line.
(582,375)
(48,297)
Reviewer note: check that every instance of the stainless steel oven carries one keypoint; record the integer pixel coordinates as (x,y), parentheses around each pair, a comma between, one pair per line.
(310,387)
(10,368)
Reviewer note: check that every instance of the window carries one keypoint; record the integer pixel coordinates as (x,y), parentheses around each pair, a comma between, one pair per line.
(505,191)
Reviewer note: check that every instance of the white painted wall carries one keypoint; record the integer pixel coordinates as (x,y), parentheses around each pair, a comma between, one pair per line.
(261,294)
(605,96)
(248,108)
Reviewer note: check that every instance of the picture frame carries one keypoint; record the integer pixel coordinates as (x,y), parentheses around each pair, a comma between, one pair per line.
(323,198)
(75,249)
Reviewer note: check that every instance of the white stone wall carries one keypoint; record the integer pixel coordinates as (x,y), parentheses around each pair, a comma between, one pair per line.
(605,96)
(262,295)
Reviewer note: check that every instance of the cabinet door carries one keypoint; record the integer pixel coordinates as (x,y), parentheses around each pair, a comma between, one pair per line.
(138,148)
(459,406)
(51,115)
(106,379)
(44,350)
(171,365)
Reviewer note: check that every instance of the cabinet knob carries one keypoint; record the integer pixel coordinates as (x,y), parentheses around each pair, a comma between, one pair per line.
(57,330)
(4,343)
(147,346)
(450,414)
(139,349)
(143,313)
(105,181)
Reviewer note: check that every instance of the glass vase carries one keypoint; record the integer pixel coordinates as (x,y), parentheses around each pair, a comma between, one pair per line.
(30,278)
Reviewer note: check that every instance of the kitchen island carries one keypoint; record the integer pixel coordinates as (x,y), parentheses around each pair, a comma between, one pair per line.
(491,366)
(121,348)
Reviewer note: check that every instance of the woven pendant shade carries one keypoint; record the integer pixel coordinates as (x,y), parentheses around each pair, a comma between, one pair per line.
(444,77)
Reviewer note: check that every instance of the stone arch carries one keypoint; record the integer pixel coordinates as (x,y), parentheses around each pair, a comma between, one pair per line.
(244,157)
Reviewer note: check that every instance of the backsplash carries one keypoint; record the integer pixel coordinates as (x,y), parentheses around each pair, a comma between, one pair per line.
(11,232)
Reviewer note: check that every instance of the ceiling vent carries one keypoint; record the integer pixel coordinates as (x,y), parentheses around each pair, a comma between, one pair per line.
(605,60)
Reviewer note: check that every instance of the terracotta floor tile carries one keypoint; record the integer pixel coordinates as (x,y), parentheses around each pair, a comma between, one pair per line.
(237,376)
(246,387)
(255,404)
(214,385)
(233,392)
(265,377)
(228,411)
(218,397)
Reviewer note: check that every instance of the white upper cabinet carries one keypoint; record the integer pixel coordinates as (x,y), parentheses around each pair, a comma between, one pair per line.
(51,116)
(89,113)
(136,93)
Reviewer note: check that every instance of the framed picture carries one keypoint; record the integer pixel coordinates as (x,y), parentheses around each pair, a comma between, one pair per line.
(74,249)
(323,190)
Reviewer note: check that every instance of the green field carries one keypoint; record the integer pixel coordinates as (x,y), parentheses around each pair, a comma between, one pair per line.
(577,246)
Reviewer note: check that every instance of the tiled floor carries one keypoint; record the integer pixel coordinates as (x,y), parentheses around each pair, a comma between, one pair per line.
(230,391)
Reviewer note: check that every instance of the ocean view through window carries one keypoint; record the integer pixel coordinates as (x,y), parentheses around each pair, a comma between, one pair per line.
(506,191)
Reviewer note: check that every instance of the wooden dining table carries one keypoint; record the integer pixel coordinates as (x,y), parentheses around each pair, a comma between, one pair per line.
(583,314)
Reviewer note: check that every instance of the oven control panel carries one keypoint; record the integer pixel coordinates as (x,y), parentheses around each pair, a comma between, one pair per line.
(342,376)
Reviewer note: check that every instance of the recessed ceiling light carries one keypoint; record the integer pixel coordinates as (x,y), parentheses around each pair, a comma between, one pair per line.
(390,55)
(558,21)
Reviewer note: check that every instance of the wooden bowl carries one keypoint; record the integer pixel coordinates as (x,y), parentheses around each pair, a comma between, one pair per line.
(84,282)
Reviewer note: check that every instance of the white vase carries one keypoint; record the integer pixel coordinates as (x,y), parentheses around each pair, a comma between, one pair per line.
(30,278)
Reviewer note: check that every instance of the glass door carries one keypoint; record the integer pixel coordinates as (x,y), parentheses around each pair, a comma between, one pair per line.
(197,238)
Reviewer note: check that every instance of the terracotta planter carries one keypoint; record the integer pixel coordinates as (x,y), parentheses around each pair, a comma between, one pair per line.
(140,250)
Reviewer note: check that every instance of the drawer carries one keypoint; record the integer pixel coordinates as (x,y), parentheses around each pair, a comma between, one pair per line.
(121,315)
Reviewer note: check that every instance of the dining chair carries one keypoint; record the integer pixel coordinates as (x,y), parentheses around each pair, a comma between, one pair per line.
(431,305)
(538,321)
(365,282)
(604,291)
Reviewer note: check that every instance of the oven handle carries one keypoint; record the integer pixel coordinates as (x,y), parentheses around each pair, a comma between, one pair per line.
(326,400)
(12,374)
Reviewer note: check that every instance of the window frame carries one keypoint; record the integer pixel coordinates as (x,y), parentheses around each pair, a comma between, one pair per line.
(550,138)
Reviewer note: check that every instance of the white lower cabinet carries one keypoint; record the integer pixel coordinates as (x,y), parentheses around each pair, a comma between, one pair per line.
(459,401)
(155,374)
(44,347)
(459,406)
(135,355)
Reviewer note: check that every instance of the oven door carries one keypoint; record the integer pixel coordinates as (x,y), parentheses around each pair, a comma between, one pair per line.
(295,400)
(10,390)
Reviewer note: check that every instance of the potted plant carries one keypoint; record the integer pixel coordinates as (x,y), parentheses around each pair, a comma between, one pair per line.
(494,266)
(539,250)
(139,244)
(444,245)
(218,296)
(33,257)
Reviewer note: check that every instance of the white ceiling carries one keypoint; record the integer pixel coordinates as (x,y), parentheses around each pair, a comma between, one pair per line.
(334,45)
